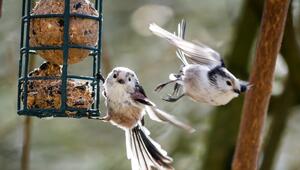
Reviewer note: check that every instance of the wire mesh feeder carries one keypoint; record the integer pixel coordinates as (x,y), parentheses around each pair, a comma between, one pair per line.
(61,34)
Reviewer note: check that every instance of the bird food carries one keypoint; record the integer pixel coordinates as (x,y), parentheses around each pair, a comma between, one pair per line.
(46,94)
(49,31)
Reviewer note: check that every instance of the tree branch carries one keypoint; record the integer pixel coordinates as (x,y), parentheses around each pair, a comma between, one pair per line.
(221,141)
(257,98)
(289,98)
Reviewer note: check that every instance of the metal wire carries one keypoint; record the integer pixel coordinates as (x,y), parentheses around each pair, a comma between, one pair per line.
(26,49)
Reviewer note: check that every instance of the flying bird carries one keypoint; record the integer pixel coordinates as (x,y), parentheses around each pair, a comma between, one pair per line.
(203,77)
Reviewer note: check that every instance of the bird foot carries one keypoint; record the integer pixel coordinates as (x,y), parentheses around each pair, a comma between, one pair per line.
(159,87)
(172,99)
(162,85)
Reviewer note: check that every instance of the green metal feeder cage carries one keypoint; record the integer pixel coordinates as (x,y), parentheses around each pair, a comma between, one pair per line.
(26,48)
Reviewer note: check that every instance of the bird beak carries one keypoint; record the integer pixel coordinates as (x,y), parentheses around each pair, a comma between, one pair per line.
(121,81)
(244,88)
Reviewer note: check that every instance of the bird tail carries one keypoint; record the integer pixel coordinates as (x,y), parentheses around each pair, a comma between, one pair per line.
(144,153)
(172,38)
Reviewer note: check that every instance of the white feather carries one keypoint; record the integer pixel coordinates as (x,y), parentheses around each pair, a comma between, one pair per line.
(161,116)
(196,53)
(172,77)
(128,144)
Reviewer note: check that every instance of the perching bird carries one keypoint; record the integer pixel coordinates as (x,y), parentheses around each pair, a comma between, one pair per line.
(126,104)
(204,77)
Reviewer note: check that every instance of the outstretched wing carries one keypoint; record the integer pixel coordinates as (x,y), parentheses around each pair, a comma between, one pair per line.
(195,53)
(155,113)
(161,116)
(181,33)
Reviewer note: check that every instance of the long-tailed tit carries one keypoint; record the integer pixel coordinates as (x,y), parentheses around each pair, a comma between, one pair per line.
(204,77)
(126,104)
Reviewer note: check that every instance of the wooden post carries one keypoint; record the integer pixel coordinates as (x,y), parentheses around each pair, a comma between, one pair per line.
(25,158)
(1,2)
(26,144)
(257,98)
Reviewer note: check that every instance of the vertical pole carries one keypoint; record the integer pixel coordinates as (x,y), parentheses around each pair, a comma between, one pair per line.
(21,54)
(64,76)
(26,144)
(25,158)
(95,55)
(28,9)
(257,98)
(1,2)
(99,6)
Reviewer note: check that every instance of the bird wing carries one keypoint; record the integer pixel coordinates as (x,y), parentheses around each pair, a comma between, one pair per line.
(181,33)
(139,95)
(162,116)
(195,53)
(154,113)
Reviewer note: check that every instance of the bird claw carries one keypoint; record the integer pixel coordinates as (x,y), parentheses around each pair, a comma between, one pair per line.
(162,85)
(159,87)
(170,99)
(176,89)
(100,77)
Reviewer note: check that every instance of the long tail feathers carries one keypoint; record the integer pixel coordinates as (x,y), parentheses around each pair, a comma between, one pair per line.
(161,116)
(145,154)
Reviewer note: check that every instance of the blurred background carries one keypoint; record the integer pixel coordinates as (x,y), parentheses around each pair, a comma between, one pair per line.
(228,26)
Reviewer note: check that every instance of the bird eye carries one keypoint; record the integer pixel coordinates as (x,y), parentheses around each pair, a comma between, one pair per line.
(228,83)
(129,79)
(115,76)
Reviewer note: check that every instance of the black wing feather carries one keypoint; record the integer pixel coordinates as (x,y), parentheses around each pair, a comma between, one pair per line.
(139,95)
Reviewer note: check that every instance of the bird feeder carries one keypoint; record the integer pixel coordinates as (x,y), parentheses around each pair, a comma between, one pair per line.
(62,32)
